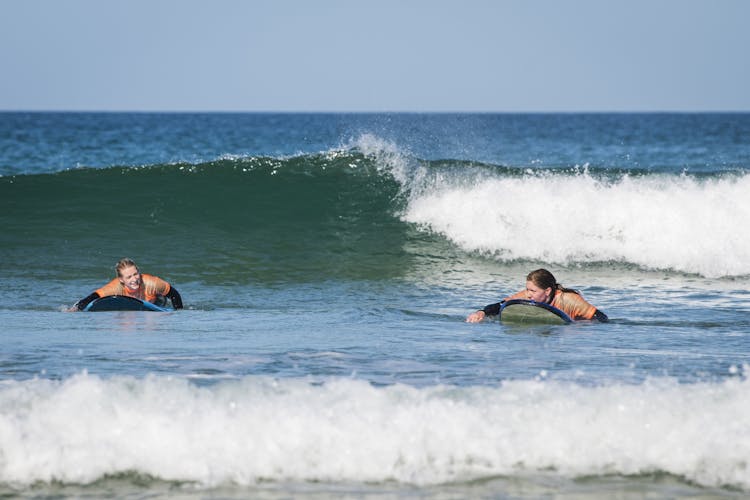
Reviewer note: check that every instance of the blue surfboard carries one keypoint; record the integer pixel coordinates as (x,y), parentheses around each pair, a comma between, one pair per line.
(123,303)
(521,311)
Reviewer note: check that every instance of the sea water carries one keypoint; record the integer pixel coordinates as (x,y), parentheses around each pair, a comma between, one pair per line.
(327,263)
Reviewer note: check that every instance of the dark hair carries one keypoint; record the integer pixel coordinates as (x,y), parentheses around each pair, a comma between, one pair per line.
(544,279)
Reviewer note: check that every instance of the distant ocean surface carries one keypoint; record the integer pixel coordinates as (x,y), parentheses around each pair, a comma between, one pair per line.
(327,263)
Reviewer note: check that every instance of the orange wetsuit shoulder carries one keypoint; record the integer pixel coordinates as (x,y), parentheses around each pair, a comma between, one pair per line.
(152,287)
(574,305)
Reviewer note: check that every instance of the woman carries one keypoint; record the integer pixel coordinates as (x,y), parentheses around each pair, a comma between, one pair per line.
(132,283)
(541,286)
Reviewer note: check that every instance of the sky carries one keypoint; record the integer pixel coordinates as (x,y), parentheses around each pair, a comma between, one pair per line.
(375,55)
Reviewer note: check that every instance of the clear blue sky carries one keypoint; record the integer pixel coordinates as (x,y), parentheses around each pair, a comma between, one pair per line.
(375,55)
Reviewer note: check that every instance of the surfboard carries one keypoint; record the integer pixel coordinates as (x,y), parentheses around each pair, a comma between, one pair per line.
(520,311)
(123,303)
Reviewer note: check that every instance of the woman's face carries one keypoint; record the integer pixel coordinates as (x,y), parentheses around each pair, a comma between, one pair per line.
(536,293)
(130,277)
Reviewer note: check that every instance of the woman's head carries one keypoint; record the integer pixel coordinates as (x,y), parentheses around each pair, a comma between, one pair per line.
(542,278)
(128,274)
(122,264)
(540,285)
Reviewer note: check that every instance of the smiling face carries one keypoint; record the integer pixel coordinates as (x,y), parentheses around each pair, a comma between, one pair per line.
(537,293)
(130,277)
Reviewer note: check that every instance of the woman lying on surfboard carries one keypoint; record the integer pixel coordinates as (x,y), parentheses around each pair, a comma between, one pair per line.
(541,286)
(132,283)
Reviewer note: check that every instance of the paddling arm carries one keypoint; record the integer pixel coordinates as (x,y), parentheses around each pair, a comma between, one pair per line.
(81,304)
(174,297)
(489,310)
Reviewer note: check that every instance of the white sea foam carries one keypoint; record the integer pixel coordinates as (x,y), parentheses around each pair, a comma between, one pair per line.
(389,157)
(675,222)
(254,429)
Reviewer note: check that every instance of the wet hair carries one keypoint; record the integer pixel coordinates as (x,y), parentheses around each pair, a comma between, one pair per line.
(544,279)
(122,264)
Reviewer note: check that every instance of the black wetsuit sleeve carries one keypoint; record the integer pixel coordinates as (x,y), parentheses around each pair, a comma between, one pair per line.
(598,315)
(81,304)
(493,309)
(174,296)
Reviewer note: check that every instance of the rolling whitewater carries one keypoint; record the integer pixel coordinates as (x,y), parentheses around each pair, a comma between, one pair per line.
(327,263)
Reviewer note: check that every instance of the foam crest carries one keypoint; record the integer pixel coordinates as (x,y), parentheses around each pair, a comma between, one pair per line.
(658,221)
(388,156)
(256,429)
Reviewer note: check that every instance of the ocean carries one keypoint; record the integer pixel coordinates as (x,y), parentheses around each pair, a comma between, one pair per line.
(327,263)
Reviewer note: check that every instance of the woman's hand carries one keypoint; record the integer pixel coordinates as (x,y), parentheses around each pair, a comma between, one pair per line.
(475,317)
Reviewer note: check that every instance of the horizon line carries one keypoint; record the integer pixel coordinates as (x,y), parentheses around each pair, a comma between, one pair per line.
(365,111)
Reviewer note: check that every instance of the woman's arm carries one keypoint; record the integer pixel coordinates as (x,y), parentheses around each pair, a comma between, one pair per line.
(175,297)
(489,310)
(600,316)
(81,304)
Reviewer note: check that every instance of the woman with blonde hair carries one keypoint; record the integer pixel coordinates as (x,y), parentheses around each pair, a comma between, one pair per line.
(131,283)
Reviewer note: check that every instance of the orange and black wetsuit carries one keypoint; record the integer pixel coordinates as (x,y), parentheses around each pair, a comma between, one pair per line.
(571,303)
(150,290)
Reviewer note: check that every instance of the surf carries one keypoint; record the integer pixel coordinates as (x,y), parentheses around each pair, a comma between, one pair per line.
(683,223)
(255,429)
